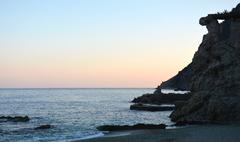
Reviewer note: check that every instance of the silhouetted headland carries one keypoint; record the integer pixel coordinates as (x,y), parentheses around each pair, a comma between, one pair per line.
(213,76)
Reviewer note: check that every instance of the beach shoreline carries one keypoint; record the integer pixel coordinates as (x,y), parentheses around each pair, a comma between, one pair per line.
(195,133)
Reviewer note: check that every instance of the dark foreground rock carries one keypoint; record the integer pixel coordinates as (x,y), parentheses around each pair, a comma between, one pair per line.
(41,127)
(128,127)
(161,98)
(184,123)
(213,77)
(14,118)
(147,107)
(207,107)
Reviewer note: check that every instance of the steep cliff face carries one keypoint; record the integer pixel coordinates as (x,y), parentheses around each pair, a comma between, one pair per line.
(216,61)
(214,74)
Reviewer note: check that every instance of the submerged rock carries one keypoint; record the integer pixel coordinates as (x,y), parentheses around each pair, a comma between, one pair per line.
(14,118)
(147,107)
(41,127)
(128,127)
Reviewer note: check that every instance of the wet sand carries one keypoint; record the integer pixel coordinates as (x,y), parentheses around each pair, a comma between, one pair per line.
(204,133)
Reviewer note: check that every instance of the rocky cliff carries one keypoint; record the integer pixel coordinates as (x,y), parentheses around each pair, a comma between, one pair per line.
(217,56)
(213,77)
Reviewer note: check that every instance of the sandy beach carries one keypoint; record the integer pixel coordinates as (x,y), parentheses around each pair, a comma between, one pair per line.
(204,133)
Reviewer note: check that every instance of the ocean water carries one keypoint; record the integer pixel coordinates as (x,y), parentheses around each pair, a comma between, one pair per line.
(74,113)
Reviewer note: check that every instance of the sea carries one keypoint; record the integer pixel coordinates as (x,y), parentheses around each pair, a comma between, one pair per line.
(73,113)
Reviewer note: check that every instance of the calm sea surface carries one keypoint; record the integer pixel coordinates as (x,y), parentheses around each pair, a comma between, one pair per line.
(74,113)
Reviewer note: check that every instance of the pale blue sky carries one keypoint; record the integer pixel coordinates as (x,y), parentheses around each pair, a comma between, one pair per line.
(116,38)
(74,17)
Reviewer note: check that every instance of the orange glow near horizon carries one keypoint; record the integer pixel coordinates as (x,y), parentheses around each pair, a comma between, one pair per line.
(136,66)
(99,44)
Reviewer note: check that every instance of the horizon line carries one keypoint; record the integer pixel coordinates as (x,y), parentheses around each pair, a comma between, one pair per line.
(77,88)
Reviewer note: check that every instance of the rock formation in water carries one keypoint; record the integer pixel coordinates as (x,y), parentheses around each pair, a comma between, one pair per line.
(14,119)
(158,101)
(150,107)
(42,127)
(213,77)
(161,98)
(130,127)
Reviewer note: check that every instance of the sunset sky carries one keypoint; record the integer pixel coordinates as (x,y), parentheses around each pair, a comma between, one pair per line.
(99,43)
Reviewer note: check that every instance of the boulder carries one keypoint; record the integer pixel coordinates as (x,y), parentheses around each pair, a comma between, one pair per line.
(129,127)
(14,118)
(148,107)
(41,127)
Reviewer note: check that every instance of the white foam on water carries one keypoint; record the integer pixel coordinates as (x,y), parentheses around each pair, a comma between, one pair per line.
(167,91)
(92,136)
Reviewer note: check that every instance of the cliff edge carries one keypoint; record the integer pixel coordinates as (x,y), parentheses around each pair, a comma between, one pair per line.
(216,63)
(213,77)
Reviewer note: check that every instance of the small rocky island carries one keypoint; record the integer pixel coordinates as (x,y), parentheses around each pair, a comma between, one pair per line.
(213,76)
(159,101)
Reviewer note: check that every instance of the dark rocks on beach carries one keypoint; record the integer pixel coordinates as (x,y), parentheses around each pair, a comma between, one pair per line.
(205,106)
(179,104)
(128,127)
(213,76)
(184,123)
(147,107)
(14,118)
(161,98)
(41,127)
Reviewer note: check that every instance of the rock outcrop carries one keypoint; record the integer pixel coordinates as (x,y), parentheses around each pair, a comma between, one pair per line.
(161,98)
(149,107)
(130,127)
(14,118)
(159,102)
(216,61)
(213,77)
(42,127)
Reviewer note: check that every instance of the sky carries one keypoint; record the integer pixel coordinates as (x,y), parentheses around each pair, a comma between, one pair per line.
(99,43)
